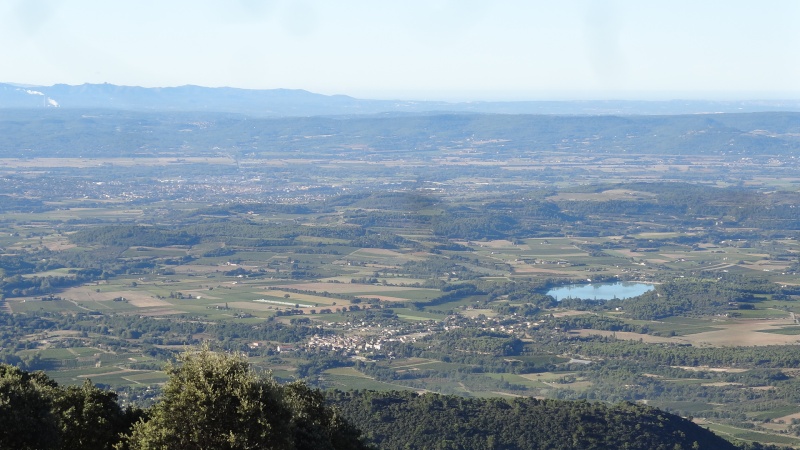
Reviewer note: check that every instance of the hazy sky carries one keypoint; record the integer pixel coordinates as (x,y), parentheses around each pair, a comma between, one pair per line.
(414,49)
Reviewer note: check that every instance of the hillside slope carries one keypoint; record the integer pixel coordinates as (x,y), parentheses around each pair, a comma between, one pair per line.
(401,420)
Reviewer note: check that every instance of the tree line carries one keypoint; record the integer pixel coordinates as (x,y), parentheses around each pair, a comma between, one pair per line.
(217,401)
(210,401)
(401,420)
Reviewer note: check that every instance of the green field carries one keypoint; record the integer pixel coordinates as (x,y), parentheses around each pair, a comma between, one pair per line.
(377,243)
(792,331)
(347,378)
(752,436)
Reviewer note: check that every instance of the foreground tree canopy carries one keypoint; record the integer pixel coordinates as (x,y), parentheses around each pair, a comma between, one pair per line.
(211,401)
(216,401)
(37,414)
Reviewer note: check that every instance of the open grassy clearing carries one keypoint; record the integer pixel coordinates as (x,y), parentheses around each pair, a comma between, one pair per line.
(474,313)
(541,381)
(349,378)
(630,336)
(113,376)
(159,252)
(680,326)
(293,297)
(436,365)
(128,378)
(139,298)
(85,351)
(415,315)
(56,354)
(548,377)
(691,407)
(785,414)
(444,385)
(606,195)
(247,306)
(24,305)
(350,288)
(789,331)
(731,332)
(464,305)
(765,313)
(350,382)
(50,273)
(347,371)
(731,432)
(147,377)
(745,332)
(410,362)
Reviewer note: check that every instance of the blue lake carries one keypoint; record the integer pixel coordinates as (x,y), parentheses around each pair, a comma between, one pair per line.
(600,291)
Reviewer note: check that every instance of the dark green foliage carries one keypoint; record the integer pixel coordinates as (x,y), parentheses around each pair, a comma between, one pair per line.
(474,225)
(452,293)
(436,265)
(217,252)
(214,401)
(768,356)
(132,235)
(401,420)
(381,240)
(477,350)
(15,264)
(91,417)
(38,414)
(392,201)
(17,285)
(27,411)
(317,426)
(473,341)
(17,204)
(682,297)
(151,332)
(592,322)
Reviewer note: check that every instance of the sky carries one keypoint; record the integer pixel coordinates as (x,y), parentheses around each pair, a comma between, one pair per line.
(453,50)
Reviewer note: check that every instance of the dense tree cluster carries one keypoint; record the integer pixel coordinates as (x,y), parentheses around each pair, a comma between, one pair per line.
(685,297)
(38,414)
(215,401)
(401,420)
(132,235)
(19,286)
(211,401)
(768,356)
(112,331)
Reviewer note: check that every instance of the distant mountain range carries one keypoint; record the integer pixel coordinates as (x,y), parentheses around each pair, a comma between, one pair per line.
(294,103)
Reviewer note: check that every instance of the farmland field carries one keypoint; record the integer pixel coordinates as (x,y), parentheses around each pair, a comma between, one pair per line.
(375,266)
